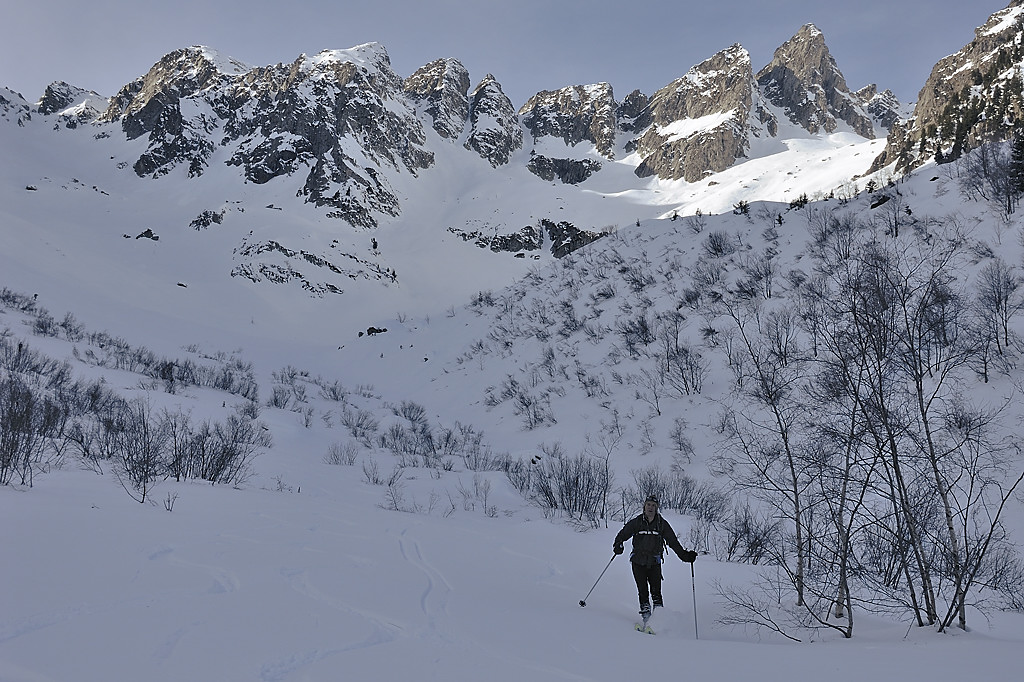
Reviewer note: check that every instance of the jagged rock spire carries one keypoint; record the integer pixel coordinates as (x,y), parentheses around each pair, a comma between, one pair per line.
(496,134)
(444,85)
(804,80)
(574,114)
(698,123)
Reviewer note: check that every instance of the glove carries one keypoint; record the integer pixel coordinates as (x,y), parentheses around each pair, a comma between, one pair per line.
(618,549)
(688,556)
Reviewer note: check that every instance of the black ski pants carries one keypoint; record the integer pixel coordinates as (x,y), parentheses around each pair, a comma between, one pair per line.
(648,582)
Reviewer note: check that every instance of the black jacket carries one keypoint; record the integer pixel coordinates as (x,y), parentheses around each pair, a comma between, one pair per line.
(649,539)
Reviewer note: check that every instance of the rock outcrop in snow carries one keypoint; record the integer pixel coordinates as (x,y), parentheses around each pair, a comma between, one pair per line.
(560,239)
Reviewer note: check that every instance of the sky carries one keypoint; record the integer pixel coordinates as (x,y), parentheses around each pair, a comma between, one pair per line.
(528,45)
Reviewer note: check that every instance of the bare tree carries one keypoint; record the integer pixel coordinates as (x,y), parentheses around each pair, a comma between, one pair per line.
(896,351)
(998,299)
(765,435)
(987,171)
(21,439)
(141,449)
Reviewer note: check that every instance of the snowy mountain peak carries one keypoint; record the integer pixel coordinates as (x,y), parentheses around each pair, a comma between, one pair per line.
(370,56)
(13,107)
(177,74)
(73,105)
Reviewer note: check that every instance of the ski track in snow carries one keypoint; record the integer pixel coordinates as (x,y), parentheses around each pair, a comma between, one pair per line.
(410,550)
(166,650)
(380,631)
(38,622)
(434,601)
(224,581)
(282,669)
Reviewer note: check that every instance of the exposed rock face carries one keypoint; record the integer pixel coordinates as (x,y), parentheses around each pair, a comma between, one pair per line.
(152,105)
(575,114)
(698,124)
(972,95)
(630,110)
(803,79)
(569,171)
(495,134)
(444,86)
(884,107)
(340,114)
(13,107)
(562,237)
(75,106)
(530,238)
(566,237)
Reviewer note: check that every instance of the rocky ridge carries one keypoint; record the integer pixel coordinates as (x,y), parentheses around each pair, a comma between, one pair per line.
(302,119)
(342,130)
(970,96)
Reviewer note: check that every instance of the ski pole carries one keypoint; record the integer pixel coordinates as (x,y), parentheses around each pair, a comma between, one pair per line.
(693,586)
(583,602)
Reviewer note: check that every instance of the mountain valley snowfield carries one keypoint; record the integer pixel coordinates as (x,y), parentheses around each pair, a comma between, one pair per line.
(321,372)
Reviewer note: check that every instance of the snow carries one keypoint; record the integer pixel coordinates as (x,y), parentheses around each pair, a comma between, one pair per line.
(683,128)
(1006,19)
(304,573)
(225,64)
(367,55)
(321,584)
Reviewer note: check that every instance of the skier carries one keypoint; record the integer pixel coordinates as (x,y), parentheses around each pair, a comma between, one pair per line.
(650,532)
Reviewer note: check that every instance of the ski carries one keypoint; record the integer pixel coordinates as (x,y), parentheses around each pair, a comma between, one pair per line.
(646,629)
(643,625)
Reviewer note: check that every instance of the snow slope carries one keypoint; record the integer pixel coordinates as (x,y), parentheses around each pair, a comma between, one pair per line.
(309,571)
